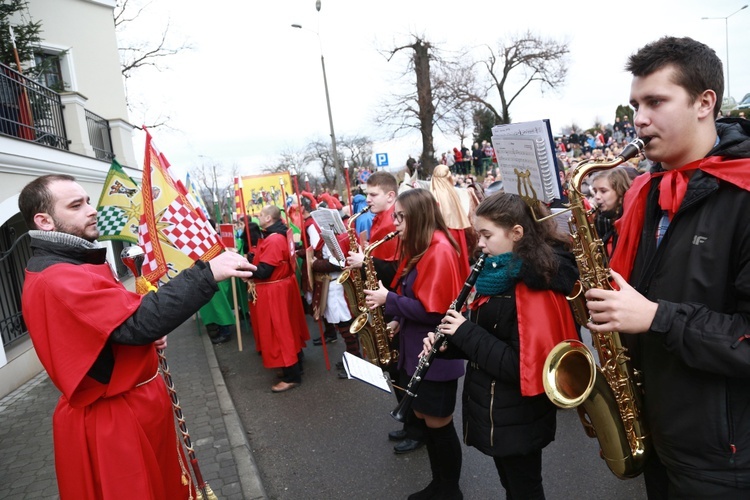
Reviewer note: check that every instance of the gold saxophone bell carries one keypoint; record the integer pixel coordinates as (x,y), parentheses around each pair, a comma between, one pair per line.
(343,276)
(570,387)
(359,323)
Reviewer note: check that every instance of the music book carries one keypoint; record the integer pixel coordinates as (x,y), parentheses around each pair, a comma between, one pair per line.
(365,371)
(525,152)
(328,218)
(329,237)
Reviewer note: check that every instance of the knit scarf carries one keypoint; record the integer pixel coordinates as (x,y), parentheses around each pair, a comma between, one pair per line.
(499,274)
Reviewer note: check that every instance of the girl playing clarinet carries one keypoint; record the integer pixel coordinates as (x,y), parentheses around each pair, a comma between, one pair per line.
(519,314)
(428,280)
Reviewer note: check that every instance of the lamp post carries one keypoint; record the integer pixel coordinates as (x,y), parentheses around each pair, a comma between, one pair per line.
(726,33)
(325,86)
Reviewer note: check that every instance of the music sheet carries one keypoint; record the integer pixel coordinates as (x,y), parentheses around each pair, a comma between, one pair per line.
(365,371)
(527,147)
(328,218)
(329,237)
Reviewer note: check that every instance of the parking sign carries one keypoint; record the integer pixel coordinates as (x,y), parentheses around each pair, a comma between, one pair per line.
(381,159)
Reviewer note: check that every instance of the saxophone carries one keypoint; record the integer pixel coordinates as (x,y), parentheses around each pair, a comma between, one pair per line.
(376,344)
(351,279)
(608,396)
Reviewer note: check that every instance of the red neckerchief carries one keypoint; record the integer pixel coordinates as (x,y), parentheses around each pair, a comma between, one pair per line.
(672,191)
(382,224)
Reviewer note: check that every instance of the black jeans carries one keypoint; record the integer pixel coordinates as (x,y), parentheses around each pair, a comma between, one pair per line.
(521,476)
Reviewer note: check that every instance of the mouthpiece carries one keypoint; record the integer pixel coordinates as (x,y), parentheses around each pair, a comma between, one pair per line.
(634,148)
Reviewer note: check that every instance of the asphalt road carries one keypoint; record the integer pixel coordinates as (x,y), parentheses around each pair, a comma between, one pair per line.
(328,439)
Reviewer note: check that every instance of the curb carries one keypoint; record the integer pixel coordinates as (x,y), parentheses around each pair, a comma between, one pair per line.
(252,487)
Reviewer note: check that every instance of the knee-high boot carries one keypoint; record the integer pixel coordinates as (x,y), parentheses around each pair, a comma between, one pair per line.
(449,460)
(433,488)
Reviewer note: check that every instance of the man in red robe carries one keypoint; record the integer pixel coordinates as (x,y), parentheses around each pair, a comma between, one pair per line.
(113,426)
(276,310)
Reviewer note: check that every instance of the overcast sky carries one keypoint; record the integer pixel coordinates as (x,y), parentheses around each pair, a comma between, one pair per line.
(252,86)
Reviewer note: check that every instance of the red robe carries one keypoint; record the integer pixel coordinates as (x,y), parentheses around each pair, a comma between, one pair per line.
(277,314)
(111,440)
(382,224)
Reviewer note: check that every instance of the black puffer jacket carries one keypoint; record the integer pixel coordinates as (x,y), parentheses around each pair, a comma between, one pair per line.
(497,420)
(695,359)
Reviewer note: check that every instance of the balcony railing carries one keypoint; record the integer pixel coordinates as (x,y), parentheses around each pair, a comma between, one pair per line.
(101,140)
(14,254)
(30,111)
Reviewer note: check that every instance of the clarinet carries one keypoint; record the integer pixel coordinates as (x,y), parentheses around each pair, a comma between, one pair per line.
(400,412)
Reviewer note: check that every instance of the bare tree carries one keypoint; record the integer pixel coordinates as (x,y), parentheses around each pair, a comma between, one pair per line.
(136,53)
(143,52)
(433,102)
(208,178)
(526,59)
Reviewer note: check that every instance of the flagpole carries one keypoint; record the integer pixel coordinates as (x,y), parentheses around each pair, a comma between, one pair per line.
(348,187)
(26,114)
(302,231)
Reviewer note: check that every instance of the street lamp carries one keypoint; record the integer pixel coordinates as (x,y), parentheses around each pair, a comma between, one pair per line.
(726,32)
(325,85)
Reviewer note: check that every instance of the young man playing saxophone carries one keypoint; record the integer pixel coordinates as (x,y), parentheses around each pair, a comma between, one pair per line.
(682,267)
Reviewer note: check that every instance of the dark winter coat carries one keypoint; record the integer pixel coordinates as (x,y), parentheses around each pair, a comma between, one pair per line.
(497,420)
(695,360)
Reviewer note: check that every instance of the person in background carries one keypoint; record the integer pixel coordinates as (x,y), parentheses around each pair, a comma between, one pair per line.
(454,214)
(477,158)
(114,429)
(364,221)
(428,280)
(608,188)
(521,294)
(276,309)
(682,275)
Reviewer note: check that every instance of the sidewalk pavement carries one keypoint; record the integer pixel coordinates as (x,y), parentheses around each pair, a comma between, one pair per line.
(27,468)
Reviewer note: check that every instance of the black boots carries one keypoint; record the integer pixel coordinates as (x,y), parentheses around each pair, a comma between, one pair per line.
(444,450)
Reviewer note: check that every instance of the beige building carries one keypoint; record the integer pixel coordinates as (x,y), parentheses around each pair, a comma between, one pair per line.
(75,130)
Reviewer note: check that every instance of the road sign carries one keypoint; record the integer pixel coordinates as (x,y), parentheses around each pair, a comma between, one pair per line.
(381,159)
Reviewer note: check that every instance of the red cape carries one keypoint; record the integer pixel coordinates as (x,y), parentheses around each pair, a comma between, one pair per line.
(439,278)
(382,224)
(108,438)
(544,320)
(630,225)
(277,316)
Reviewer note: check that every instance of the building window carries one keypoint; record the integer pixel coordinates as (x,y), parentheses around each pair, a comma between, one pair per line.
(48,71)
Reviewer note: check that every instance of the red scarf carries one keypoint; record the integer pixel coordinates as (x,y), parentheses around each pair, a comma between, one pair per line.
(672,190)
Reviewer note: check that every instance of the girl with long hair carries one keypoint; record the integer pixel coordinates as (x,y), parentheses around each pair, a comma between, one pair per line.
(518,315)
(427,281)
(608,188)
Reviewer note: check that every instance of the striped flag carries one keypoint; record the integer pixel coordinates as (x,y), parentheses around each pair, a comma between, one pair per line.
(172,232)
(119,206)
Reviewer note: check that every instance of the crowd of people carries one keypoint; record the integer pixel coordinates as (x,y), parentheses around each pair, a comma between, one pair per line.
(674,229)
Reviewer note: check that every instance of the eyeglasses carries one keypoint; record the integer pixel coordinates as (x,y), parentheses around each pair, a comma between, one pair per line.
(398,216)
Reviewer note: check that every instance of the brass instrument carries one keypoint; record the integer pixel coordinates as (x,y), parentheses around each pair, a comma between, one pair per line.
(401,411)
(351,279)
(608,396)
(376,343)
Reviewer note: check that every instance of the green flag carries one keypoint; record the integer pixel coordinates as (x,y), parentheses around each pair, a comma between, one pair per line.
(119,206)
